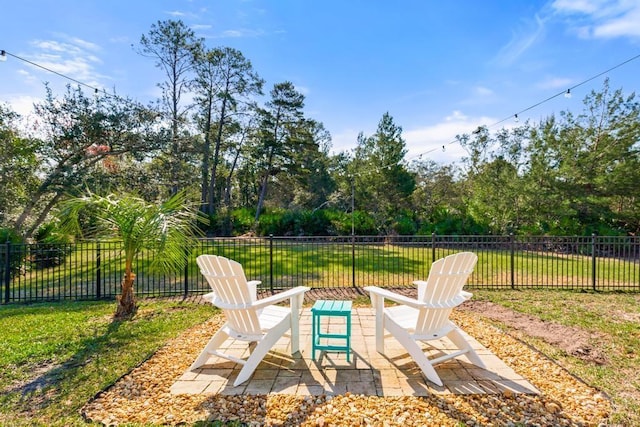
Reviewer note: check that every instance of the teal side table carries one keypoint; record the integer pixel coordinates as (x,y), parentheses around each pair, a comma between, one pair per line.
(330,308)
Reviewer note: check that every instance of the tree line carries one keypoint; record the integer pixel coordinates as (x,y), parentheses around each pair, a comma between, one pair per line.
(266,167)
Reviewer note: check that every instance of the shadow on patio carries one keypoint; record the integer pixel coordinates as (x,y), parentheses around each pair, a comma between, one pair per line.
(288,390)
(368,373)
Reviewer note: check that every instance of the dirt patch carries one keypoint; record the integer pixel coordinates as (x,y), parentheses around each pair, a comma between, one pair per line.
(574,341)
(622,316)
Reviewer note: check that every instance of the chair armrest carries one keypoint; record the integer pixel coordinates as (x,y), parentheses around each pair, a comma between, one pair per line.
(422,288)
(209,297)
(253,288)
(400,299)
(273,299)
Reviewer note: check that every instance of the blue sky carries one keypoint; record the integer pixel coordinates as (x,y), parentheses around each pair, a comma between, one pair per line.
(440,68)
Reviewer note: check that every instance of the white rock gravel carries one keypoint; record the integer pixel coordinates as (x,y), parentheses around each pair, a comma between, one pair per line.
(143,397)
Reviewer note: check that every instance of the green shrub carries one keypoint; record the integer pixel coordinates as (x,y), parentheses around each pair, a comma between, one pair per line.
(305,223)
(51,247)
(316,223)
(288,223)
(339,222)
(11,241)
(271,222)
(365,224)
(404,226)
(242,220)
(442,221)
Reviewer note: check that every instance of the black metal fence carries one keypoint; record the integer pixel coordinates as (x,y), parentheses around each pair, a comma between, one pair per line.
(93,270)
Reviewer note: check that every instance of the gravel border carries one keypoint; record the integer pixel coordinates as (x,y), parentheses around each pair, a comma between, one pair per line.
(143,396)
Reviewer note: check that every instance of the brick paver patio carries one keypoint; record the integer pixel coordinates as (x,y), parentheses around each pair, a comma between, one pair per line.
(368,373)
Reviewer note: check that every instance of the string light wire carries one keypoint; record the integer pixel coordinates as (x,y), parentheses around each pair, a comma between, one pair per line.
(562,93)
(95,89)
(566,92)
(78,82)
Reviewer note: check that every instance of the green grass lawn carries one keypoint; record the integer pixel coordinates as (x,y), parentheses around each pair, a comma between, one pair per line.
(56,357)
(613,319)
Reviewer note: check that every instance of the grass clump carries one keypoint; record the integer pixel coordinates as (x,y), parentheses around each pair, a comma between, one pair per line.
(56,357)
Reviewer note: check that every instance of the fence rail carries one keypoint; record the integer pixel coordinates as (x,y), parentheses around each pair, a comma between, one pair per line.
(93,270)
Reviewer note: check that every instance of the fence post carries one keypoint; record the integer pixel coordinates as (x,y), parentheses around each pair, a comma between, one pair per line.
(353,260)
(186,275)
(593,261)
(513,266)
(433,247)
(98,273)
(271,263)
(7,271)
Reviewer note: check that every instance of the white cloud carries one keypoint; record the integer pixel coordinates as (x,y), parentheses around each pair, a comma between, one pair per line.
(302,89)
(427,142)
(50,45)
(345,140)
(479,96)
(22,104)
(604,18)
(27,76)
(77,68)
(74,58)
(522,41)
(555,83)
(69,43)
(483,91)
(176,13)
(579,6)
(242,32)
(627,25)
(84,44)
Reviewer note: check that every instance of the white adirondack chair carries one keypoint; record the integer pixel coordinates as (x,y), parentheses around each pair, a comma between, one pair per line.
(247,318)
(210,264)
(427,317)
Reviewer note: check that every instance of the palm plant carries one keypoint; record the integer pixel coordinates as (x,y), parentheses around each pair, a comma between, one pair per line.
(166,230)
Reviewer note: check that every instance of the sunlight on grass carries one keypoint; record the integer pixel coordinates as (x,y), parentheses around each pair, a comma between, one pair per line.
(611,317)
(55,357)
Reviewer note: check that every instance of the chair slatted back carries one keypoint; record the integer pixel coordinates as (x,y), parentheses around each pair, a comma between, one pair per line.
(227,280)
(442,289)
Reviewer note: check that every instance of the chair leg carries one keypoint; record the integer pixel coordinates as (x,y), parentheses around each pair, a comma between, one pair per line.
(214,343)
(458,339)
(296,307)
(263,347)
(378,303)
(414,350)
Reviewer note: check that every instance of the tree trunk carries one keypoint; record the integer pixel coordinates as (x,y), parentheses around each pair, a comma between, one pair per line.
(175,141)
(227,226)
(31,204)
(127,306)
(263,189)
(263,193)
(216,157)
(204,206)
(42,216)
